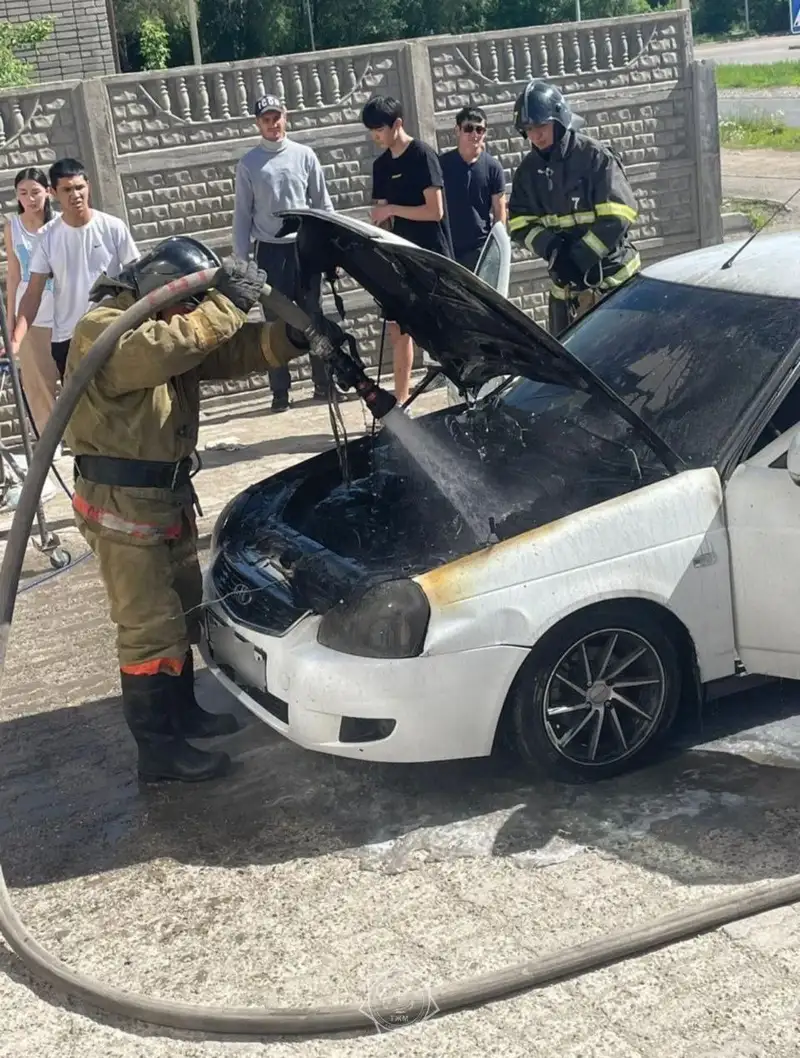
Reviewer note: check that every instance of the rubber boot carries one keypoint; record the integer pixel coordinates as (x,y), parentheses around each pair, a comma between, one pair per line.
(191,720)
(149,704)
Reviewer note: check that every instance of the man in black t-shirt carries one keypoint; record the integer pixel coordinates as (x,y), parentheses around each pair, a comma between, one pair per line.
(474,187)
(407,191)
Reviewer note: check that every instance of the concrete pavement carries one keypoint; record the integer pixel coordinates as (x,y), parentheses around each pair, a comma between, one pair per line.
(752,50)
(761,175)
(305,879)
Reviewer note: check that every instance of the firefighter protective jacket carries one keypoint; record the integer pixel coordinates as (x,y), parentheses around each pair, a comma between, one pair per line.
(144,403)
(580,192)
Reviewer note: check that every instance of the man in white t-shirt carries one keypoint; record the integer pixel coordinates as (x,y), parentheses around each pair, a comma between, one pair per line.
(75,248)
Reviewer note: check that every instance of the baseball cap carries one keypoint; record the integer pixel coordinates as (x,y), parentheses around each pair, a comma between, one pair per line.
(267,103)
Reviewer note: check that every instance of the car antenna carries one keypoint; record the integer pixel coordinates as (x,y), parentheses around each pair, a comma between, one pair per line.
(758,231)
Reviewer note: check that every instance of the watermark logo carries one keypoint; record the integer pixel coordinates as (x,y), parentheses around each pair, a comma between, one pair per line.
(397,998)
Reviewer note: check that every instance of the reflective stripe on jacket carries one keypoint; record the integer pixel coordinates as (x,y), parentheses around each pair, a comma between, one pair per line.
(580,191)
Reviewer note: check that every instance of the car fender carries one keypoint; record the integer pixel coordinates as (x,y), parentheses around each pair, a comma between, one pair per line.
(665,543)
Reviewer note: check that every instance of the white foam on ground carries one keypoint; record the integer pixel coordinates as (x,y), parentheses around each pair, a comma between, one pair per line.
(776,742)
(464,838)
(634,821)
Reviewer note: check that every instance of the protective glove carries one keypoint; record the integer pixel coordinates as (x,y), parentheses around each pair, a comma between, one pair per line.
(345,367)
(555,248)
(583,258)
(240,282)
(323,327)
(565,272)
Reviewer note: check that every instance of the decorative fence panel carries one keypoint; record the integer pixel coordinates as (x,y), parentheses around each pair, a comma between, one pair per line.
(162,148)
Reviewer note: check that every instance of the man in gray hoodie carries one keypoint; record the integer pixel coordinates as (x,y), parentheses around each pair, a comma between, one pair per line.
(279,174)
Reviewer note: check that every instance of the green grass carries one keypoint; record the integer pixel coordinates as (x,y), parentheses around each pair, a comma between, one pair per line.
(758,213)
(760,75)
(767,131)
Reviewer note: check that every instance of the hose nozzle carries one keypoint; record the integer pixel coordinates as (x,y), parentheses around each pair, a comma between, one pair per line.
(327,340)
(379,401)
(349,374)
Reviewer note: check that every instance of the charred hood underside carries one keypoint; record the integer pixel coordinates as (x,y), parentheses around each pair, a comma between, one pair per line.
(467,327)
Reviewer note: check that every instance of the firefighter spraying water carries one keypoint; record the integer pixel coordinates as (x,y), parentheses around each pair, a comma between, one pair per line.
(133,434)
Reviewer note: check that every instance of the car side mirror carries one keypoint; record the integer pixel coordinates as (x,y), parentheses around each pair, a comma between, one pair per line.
(793,459)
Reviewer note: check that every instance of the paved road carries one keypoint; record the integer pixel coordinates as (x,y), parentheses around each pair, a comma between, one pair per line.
(305,879)
(753,50)
(762,175)
(784,107)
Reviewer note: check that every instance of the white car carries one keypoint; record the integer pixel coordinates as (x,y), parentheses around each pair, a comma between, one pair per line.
(642,522)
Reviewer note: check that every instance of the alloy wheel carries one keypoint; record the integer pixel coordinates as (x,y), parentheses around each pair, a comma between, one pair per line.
(604,697)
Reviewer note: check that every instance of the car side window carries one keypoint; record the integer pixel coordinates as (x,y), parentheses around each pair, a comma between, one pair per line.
(785,417)
(788,412)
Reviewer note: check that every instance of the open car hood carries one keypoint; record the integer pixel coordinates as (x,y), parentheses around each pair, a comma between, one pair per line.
(467,327)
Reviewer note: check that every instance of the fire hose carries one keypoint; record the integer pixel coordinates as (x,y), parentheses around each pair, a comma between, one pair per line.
(255,1021)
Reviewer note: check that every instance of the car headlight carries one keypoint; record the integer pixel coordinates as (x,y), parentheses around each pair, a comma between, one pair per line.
(388,620)
(230,508)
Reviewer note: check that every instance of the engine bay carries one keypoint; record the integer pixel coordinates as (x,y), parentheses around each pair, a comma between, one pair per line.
(499,460)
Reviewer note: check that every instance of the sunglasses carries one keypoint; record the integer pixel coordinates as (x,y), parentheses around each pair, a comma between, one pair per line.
(469,127)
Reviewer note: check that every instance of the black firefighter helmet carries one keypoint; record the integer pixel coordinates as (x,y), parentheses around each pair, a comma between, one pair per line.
(171,259)
(541,102)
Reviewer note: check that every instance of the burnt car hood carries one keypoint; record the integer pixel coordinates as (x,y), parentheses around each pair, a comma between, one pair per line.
(472,331)
(310,537)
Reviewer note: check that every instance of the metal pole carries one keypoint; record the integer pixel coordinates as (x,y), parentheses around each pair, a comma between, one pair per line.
(112,28)
(197,57)
(45,537)
(577,10)
(310,25)
(747,15)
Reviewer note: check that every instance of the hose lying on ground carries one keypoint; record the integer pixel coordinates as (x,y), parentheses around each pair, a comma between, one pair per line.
(254,1021)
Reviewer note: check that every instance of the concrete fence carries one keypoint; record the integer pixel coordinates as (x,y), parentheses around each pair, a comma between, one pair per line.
(162,147)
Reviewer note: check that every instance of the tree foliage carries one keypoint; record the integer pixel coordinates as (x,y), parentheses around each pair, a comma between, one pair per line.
(130,14)
(16,71)
(718,16)
(154,43)
(245,29)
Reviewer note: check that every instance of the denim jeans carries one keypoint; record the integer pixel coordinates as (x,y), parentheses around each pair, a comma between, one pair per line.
(279,261)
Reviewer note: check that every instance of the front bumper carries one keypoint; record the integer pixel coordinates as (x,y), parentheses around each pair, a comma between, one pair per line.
(439,707)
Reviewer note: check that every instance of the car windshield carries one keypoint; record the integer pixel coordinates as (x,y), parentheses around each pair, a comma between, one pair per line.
(688,360)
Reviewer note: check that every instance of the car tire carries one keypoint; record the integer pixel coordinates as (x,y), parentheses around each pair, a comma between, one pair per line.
(622,713)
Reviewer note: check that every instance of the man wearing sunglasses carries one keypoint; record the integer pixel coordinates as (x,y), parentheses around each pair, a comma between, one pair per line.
(474,186)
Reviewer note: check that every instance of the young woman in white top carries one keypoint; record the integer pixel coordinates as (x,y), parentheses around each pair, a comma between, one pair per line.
(37,369)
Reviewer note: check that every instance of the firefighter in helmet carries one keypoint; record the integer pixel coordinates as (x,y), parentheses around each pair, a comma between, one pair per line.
(133,434)
(571,204)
